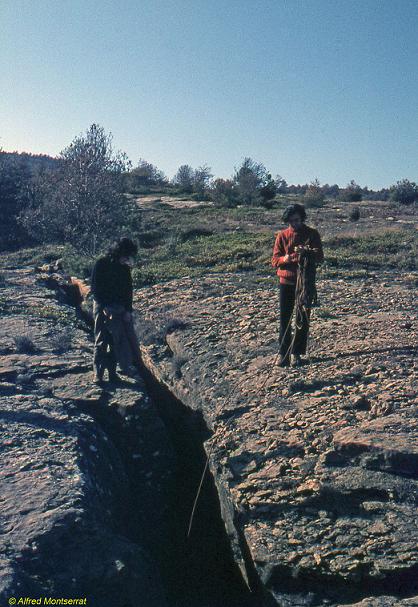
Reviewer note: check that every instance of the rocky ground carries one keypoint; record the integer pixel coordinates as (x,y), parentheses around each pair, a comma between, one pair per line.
(75,462)
(316,467)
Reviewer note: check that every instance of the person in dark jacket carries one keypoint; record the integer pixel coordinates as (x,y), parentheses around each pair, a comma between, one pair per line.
(115,340)
(296,240)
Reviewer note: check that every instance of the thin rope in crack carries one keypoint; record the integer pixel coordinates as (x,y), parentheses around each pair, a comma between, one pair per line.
(301,300)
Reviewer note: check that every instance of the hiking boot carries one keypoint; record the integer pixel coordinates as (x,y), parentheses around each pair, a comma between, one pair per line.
(114,378)
(284,361)
(98,382)
(296,360)
(98,377)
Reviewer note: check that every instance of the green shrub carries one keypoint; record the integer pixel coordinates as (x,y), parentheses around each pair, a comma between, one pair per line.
(224,193)
(354,214)
(151,238)
(314,196)
(404,192)
(194,232)
(352,193)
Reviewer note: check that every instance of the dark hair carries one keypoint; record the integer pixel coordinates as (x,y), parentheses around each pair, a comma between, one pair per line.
(125,247)
(294,209)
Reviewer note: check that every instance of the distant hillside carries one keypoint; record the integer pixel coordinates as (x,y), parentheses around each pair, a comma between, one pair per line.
(30,160)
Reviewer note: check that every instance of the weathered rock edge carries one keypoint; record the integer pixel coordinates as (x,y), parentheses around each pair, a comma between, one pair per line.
(68,463)
(350,469)
(338,466)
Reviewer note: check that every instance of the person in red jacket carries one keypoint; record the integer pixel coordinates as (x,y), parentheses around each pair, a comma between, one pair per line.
(288,247)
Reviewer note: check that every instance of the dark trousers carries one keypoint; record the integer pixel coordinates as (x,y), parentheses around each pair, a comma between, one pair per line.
(104,352)
(115,340)
(297,343)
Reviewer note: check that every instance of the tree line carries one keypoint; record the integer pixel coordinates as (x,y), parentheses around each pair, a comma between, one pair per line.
(82,196)
(252,184)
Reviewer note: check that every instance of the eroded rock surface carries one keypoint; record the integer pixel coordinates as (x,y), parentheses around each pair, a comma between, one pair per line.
(316,467)
(70,455)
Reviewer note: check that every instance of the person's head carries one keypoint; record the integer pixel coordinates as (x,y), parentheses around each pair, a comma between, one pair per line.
(123,251)
(295,215)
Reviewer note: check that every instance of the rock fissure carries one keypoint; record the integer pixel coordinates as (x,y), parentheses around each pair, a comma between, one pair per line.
(315,466)
(141,509)
(313,496)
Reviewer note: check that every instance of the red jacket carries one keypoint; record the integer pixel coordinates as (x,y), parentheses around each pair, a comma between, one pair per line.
(285,244)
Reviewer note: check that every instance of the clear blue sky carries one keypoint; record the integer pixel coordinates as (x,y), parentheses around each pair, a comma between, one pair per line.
(311,88)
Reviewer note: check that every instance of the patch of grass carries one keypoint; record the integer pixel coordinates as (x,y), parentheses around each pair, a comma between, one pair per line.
(174,323)
(61,341)
(34,256)
(24,344)
(74,263)
(230,252)
(158,224)
(156,332)
(195,241)
(62,316)
(324,312)
(379,249)
(349,255)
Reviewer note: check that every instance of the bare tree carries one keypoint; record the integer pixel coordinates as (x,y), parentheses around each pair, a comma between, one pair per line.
(82,202)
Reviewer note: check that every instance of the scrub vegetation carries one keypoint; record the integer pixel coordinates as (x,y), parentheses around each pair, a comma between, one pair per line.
(73,206)
(346,255)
